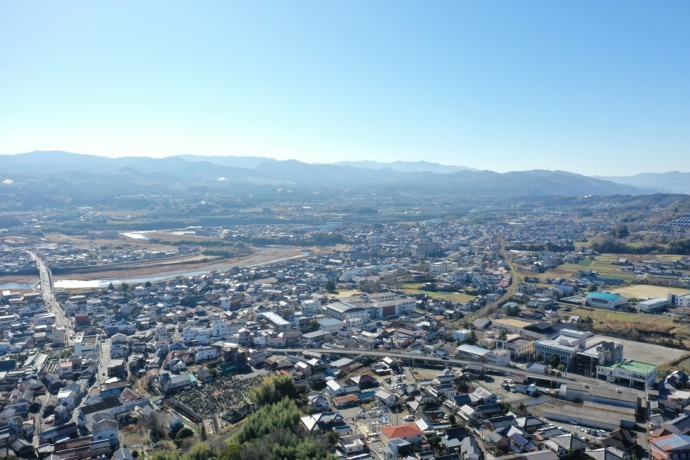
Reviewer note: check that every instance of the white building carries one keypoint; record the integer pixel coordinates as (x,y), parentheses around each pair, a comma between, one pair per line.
(200,334)
(220,327)
(461,335)
(653,305)
(498,357)
(85,344)
(206,353)
(310,307)
(564,347)
(278,322)
(46,319)
(679,300)
(629,371)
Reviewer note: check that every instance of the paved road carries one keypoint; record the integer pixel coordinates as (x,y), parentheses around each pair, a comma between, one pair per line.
(46,282)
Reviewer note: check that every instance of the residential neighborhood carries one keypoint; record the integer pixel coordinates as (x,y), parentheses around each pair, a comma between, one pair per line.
(412,341)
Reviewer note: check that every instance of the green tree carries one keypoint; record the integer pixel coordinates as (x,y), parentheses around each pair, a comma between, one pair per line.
(471,338)
(164,455)
(232,452)
(270,418)
(555,361)
(452,420)
(274,389)
(330,285)
(201,451)
(592,288)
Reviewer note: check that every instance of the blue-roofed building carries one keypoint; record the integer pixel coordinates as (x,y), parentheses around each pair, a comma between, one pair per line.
(605,300)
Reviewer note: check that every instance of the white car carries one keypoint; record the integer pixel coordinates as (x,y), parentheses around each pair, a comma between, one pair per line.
(409,418)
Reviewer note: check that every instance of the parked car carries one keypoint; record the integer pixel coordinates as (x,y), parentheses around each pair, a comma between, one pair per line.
(409,418)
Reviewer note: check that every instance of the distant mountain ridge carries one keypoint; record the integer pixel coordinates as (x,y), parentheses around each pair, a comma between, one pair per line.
(60,178)
(406,166)
(669,182)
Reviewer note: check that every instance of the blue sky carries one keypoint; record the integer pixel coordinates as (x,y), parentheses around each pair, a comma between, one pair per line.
(590,87)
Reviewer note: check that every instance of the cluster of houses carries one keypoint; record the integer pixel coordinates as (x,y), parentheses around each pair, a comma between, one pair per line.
(13,261)
(449,419)
(68,255)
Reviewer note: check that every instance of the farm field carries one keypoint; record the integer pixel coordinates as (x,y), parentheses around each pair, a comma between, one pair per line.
(644,291)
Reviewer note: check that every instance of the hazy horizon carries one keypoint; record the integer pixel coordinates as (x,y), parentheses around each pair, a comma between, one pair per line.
(590,88)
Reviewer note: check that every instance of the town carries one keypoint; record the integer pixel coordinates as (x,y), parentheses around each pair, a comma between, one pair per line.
(423,338)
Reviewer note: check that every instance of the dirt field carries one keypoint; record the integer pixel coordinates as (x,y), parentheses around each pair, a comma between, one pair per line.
(645,352)
(344,293)
(643,291)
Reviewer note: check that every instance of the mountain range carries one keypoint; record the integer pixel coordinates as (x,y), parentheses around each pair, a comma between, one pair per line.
(59,178)
(669,182)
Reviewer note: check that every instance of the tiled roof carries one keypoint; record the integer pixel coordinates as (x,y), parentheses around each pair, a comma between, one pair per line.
(400,431)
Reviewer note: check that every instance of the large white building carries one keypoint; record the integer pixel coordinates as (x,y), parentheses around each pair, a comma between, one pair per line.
(653,305)
(629,371)
(565,346)
(679,300)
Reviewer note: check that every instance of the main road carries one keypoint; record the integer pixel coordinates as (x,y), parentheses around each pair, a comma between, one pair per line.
(46,283)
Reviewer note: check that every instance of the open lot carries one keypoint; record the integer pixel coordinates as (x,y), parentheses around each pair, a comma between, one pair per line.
(413,288)
(645,352)
(344,293)
(644,291)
